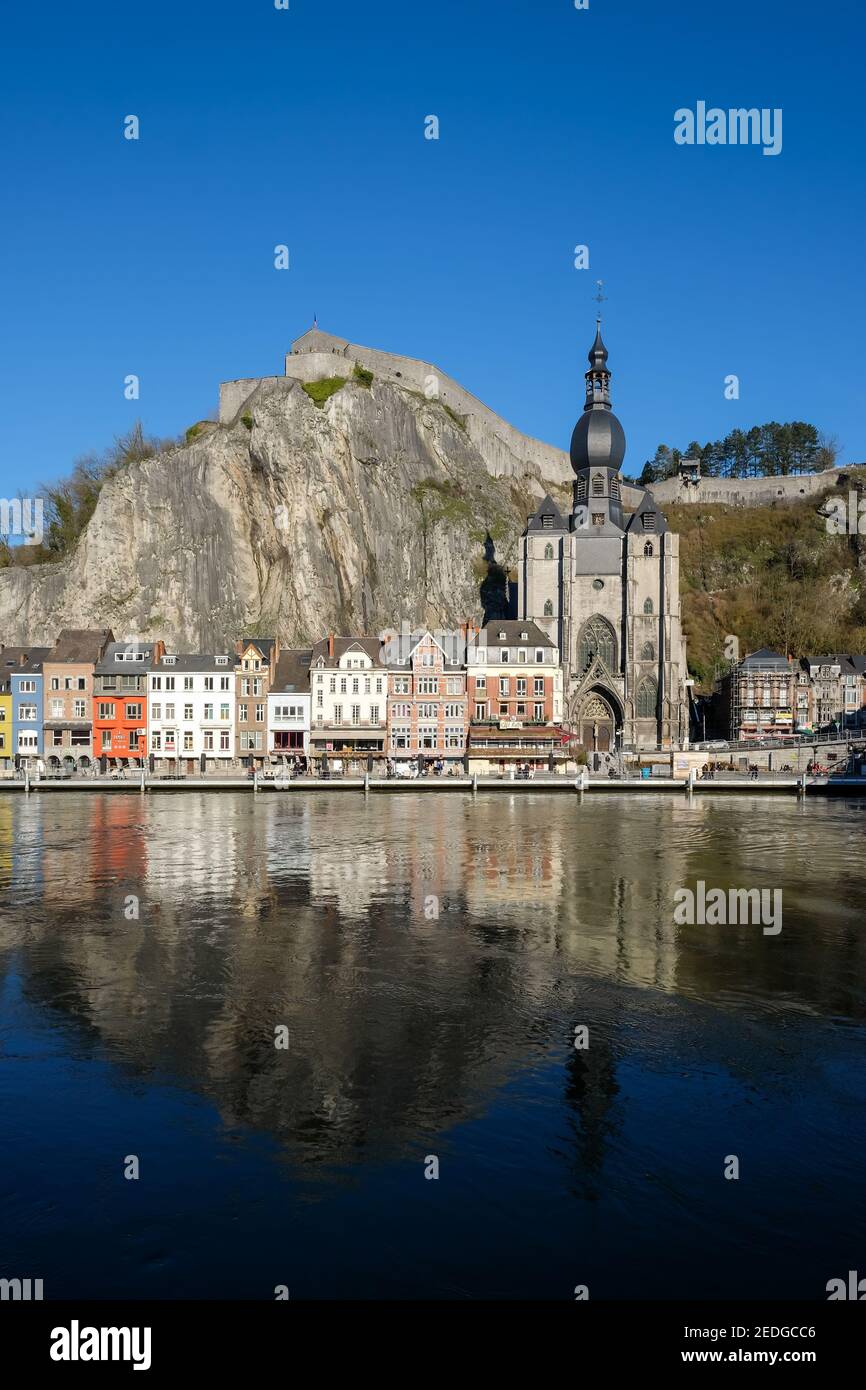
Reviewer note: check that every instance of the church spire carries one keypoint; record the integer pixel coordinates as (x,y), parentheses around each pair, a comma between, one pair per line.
(598,376)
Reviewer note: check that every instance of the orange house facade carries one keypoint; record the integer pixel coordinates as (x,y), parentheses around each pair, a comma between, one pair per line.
(120,702)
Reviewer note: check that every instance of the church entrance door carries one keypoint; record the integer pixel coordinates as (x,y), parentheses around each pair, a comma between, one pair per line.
(597,726)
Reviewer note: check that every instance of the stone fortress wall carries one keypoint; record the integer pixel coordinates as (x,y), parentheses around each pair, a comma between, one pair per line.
(505,450)
(750,492)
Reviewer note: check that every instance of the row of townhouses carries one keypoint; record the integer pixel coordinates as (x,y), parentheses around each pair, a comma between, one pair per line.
(768,695)
(495,691)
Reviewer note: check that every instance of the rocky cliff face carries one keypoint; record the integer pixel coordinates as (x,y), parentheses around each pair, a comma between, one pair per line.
(373,508)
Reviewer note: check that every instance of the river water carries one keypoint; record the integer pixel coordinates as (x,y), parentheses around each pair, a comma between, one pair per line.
(423,963)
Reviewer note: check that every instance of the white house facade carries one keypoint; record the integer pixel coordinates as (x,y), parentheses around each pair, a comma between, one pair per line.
(289,702)
(349,688)
(191,711)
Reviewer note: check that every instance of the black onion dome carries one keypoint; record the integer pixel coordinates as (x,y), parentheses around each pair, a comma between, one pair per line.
(598,441)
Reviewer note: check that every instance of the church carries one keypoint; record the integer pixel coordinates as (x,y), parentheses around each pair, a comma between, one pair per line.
(605,586)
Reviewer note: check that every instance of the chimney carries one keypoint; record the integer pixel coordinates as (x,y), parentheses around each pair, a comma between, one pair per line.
(330,646)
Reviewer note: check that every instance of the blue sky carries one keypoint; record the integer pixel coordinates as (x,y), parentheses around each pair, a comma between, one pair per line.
(306,127)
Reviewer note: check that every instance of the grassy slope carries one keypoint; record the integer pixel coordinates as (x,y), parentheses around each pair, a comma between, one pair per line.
(771,576)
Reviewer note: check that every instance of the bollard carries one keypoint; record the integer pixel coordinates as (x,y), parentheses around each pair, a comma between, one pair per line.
(142,781)
(255,780)
(475,784)
(27,780)
(366,784)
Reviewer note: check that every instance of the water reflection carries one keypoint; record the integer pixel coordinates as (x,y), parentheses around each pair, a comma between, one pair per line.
(427,954)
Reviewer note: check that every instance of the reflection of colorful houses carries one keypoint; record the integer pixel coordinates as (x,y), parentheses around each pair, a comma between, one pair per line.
(7,807)
(118,844)
(120,701)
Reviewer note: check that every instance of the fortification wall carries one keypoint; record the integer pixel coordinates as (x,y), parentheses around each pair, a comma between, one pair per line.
(506,451)
(749,492)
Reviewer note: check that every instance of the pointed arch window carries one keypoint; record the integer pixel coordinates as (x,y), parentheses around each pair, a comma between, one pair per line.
(648,549)
(597,640)
(548,552)
(548,608)
(648,605)
(647,698)
(647,652)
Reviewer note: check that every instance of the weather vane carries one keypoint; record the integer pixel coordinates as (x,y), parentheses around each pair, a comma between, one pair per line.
(599,295)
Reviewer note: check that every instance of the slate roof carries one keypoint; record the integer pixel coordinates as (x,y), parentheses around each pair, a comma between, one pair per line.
(263,644)
(489,635)
(371,645)
(293,671)
(400,649)
(193,661)
(80,645)
(109,666)
(635,522)
(765,658)
(547,508)
(27,660)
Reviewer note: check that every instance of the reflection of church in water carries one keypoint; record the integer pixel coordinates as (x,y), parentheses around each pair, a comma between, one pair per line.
(606,587)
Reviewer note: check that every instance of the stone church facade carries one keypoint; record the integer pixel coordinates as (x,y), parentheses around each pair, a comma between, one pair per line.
(606,588)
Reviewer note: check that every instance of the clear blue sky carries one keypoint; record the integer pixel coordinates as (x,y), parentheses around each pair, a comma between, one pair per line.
(306,127)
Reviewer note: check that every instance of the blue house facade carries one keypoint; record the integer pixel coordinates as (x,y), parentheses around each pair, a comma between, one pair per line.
(22,676)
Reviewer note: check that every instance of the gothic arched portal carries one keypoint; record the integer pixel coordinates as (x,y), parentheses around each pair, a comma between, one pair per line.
(596,720)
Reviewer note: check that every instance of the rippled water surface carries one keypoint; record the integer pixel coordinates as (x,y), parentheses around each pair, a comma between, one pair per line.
(430,957)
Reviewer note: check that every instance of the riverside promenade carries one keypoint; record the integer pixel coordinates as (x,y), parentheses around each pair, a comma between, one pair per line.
(767,784)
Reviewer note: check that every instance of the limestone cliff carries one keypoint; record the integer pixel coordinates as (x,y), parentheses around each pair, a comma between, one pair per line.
(374,507)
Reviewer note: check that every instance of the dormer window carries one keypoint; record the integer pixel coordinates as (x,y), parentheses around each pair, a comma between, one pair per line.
(524,636)
(502,636)
(169,660)
(222,661)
